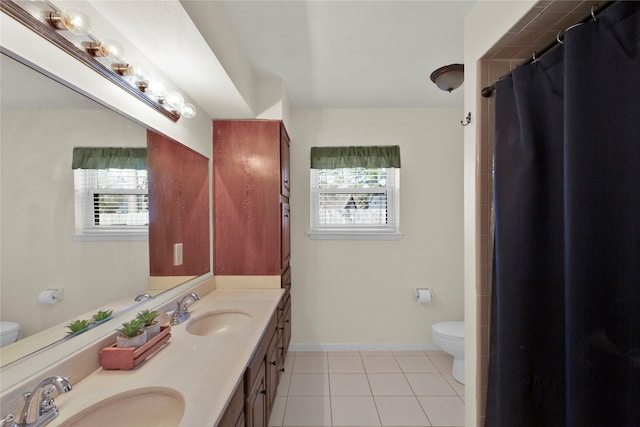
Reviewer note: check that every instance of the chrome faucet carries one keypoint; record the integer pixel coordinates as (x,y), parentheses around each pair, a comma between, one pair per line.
(142,296)
(47,410)
(182,313)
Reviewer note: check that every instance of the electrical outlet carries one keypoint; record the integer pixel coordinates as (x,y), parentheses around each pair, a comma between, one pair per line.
(177,254)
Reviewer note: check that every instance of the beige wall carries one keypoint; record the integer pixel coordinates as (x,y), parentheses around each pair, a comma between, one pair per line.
(38,218)
(360,294)
(485,24)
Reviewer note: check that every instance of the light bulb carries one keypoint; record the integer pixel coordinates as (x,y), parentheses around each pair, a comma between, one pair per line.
(174,100)
(140,72)
(157,88)
(114,50)
(73,20)
(109,49)
(188,111)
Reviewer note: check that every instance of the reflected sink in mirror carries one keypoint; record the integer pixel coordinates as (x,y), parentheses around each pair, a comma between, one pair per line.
(157,407)
(218,323)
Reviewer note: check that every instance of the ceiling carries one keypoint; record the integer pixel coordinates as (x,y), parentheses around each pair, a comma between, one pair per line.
(332,54)
(351,53)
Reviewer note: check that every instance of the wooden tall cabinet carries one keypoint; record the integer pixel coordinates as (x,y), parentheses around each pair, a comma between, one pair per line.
(251,197)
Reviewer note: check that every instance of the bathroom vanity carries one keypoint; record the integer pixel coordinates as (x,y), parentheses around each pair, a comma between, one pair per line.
(210,373)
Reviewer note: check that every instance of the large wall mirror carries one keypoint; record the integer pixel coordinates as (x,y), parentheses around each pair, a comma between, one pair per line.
(42,120)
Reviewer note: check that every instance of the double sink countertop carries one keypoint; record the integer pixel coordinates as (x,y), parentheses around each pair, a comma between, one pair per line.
(202,371)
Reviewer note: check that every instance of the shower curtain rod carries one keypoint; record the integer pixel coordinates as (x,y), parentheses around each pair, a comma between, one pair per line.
(595,11)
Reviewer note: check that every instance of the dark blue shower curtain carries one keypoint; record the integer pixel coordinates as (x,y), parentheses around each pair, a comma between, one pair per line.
(565,316)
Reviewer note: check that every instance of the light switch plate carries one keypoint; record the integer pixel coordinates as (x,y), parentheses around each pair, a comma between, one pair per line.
(177,254)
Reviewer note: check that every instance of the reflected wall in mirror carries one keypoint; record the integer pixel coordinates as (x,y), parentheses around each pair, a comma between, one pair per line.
(42,120)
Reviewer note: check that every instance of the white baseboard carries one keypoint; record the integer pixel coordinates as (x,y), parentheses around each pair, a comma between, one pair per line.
(303,347)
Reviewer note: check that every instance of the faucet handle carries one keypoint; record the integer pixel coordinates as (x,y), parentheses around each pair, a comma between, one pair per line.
(8,421)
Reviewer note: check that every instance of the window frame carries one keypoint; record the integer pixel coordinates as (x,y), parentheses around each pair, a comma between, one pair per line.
(85,187)
(352,231)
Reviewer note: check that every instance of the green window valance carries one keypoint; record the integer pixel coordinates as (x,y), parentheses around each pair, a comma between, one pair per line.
(109,157)
(381,156)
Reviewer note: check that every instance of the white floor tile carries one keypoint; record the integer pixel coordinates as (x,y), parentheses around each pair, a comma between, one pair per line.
(310,365)
(307,411)
(354,411)
(458,387)
(401,411)
(389,385)
(283,386)
(349,385)
(346,364)
(309,385)
(443,411)
(415,364)
(277,412)
(404,388)
(444,363)
(381,364)
(430,385)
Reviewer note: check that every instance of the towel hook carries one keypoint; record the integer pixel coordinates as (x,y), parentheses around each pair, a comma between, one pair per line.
(467,120)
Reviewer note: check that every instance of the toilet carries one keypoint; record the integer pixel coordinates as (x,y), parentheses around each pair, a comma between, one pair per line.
(449,336)
(9,332)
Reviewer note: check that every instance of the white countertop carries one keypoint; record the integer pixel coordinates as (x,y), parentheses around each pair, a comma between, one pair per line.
(204,370)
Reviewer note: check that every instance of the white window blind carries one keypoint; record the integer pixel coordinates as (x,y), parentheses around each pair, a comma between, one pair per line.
(354,201)
(111,202)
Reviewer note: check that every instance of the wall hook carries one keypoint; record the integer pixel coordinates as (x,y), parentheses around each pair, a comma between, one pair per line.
(467,120)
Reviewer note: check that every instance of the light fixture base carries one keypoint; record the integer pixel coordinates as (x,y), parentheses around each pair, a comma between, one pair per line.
(449,77)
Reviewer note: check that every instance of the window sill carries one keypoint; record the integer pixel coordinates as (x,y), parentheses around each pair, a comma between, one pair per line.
(353,235)
(110,237)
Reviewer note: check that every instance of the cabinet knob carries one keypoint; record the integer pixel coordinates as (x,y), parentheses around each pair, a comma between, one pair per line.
(263,391)
(281,369)
(274,363)
(286,181)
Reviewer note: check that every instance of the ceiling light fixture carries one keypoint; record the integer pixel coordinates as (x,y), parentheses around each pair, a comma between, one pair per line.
(449,77)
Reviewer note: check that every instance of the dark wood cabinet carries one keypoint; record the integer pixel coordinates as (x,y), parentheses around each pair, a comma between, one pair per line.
(251,197)
(255,409)
(233,415)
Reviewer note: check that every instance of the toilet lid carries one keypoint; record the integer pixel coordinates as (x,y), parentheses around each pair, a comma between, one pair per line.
(7,328)
(451,329)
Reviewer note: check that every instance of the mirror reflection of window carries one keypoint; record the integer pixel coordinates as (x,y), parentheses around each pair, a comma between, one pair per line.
(111,193)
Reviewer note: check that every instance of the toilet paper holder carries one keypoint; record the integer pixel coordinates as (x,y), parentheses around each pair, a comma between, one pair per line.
(424,295)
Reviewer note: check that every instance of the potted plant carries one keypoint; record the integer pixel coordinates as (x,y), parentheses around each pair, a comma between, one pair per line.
(149,322)
(132,334)
(78,325)
(102,315)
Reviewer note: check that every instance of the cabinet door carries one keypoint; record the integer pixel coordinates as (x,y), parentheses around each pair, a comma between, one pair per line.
(284,162)
(285,235)
(272,373)
(256,402)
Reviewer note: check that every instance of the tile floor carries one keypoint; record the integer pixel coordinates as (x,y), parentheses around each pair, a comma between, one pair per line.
(368,389)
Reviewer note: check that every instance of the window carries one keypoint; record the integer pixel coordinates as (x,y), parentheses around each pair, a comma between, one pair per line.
(355,192)
(111,193)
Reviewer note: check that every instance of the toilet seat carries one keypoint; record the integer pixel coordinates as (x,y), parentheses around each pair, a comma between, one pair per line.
(450,330)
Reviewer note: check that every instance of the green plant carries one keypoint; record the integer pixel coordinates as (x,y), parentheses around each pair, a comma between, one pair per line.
(102,315)
(78,325)
(131,329)
(147,317)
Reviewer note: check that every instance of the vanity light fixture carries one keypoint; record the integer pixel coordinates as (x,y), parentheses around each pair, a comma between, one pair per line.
(72,20)
(78,23)
(449,77)
(106,49)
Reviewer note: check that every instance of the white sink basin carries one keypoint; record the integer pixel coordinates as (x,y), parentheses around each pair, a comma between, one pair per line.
(153,407)
(218,323)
